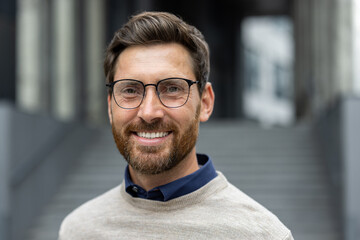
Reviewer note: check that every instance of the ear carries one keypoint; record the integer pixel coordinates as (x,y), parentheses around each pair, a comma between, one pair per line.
(207,103)
(109,108)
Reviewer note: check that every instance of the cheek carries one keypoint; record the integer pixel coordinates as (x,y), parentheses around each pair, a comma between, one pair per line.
(183,116)
(194,106)
(122,117)
(194,97)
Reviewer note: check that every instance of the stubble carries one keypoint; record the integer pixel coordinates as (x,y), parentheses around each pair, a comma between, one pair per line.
(151,160)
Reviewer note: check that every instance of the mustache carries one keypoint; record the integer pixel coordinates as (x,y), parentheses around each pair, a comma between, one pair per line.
(145,126)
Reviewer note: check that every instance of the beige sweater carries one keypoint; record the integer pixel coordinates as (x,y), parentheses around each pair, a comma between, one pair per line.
(216,211)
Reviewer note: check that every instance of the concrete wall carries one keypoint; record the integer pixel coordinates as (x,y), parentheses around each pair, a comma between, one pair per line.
(36,152)
(339,135)
(351,167)
(4,173)
(323,54)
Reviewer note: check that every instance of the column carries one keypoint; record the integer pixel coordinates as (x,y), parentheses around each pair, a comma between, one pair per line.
(356,46)
(343,48)
(303,58)
(30,82)
(7,49)
(316,43)
(65,85)
(94,50)
(325,47)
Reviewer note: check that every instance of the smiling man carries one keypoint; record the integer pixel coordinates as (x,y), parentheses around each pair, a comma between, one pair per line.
(155,120)
(157,67)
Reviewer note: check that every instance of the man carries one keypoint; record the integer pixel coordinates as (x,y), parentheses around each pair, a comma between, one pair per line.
(157,68)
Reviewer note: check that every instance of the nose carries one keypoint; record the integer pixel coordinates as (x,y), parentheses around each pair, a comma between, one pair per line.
(151,109)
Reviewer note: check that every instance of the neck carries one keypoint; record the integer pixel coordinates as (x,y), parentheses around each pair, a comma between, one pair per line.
(187,166)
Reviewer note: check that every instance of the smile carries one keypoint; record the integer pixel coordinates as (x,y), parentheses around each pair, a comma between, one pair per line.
(152,135)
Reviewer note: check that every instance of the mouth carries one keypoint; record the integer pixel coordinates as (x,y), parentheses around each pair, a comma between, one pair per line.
(152,135)
(151,138)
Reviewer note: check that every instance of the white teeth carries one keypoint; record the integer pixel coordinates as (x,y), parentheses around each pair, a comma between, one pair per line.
(152,135)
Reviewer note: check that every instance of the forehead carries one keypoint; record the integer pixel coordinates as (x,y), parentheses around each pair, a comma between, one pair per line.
(157,61)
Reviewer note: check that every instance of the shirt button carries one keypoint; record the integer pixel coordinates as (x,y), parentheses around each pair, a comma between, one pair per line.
(135,189)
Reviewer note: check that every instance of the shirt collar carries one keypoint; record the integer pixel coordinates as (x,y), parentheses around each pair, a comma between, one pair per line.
(177,188)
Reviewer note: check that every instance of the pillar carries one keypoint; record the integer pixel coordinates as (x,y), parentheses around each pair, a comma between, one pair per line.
(95,47)
(356,46)
(30,81)
(7,49)
(303,74)
(343,46)
(65,85)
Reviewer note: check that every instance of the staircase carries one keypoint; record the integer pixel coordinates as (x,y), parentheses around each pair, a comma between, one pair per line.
(279,167)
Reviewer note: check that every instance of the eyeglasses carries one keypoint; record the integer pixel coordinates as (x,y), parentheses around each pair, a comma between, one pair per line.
(172,92)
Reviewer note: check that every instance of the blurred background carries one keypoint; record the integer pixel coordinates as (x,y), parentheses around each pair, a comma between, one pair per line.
(285,126)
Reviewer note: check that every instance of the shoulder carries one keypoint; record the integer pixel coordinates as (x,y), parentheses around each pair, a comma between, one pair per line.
(244,215)
(90,215)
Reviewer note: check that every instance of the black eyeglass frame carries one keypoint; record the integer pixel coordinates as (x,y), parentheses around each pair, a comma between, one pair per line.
(189,82)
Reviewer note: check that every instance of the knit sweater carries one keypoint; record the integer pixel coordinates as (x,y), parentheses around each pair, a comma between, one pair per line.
(218,210)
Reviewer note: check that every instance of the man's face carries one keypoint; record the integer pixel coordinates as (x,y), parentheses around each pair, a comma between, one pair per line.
(153,138)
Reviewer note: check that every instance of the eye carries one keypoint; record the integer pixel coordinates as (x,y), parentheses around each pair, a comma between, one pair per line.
(173,89)
(129,90)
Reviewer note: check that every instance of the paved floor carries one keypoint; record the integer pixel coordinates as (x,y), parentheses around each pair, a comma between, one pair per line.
(278,167)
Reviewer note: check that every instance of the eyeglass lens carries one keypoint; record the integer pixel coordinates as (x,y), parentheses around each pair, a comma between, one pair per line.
(172,92)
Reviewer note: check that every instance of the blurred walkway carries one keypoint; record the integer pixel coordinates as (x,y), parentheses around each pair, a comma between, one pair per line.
(279,167)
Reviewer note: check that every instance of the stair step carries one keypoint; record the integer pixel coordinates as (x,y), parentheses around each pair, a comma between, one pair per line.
(281,168)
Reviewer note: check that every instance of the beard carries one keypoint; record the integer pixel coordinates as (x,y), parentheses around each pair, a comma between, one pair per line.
(152,160)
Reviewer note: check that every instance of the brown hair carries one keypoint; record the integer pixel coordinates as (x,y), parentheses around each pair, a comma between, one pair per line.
(159,27)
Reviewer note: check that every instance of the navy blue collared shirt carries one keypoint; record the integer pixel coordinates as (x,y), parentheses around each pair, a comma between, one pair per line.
(177,188)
